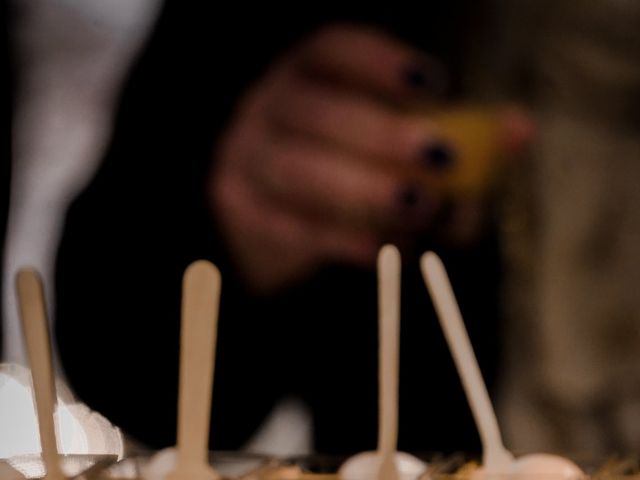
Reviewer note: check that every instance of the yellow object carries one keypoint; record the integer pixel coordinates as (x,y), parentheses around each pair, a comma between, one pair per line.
(476,136)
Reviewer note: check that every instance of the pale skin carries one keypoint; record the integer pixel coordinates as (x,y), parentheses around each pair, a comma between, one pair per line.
(306,172)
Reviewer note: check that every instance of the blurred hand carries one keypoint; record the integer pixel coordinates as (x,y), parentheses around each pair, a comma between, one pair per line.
(311,167)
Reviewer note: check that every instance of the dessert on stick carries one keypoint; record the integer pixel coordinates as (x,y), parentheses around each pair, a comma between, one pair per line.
(386,463)
(189,459)
(200,301)
(68,439)
(497,460)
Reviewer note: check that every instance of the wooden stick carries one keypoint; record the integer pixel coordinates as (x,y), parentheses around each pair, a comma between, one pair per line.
(389,340)
(36,334)
(496,458)
(200,301)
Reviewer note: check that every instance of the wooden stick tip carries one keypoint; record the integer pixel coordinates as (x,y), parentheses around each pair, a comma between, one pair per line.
(202,267)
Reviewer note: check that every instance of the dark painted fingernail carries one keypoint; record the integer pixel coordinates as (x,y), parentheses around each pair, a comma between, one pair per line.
(439,156)
(424,77)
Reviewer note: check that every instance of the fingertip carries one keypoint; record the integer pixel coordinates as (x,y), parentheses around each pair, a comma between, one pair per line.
(438,156)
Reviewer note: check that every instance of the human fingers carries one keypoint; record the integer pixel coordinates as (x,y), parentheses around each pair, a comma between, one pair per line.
(367,128)
(335,186)
(372,61)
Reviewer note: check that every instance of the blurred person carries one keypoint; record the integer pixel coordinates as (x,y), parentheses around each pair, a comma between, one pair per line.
(69,58)
(571,225)
(270,141)
(5,145)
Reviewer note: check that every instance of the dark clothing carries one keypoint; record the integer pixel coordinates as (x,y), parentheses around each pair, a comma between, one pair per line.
(132,232)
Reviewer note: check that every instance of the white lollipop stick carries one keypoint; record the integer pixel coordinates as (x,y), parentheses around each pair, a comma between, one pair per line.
(496,458)
(386,463)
